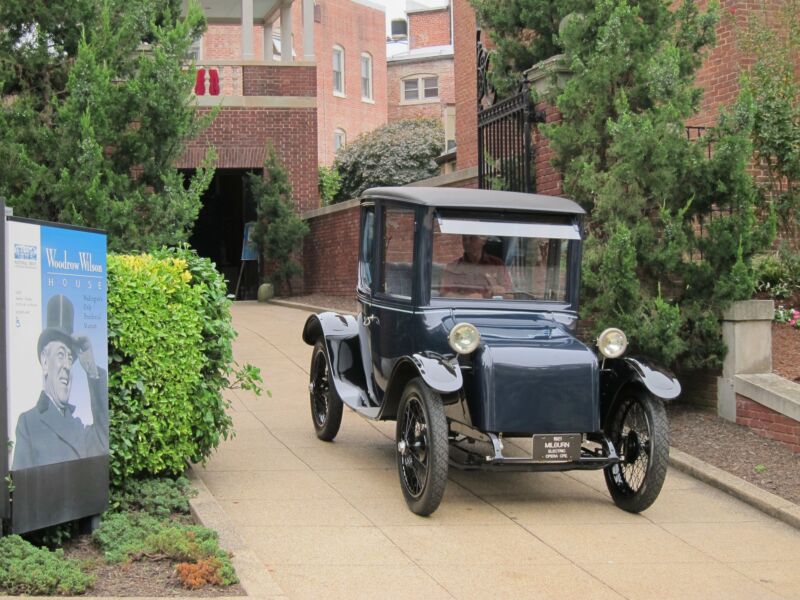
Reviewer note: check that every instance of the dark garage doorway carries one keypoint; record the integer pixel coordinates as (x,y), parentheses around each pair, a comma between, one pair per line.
(219,230)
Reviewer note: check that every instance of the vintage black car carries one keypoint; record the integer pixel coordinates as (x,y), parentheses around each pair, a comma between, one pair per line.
(467,338)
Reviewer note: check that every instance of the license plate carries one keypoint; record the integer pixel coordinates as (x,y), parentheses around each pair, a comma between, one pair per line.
(560,447)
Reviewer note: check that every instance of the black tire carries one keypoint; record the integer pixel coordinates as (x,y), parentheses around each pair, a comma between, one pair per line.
(326,410)
(422,447)
(637,426)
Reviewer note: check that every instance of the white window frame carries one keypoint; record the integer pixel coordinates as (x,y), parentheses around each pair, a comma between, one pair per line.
(420,80)
(337,48)
(196,48)
(368,97)
(339,133)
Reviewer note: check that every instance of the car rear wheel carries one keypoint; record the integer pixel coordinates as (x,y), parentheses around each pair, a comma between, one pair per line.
(422,451)
(639,431)
(326,410)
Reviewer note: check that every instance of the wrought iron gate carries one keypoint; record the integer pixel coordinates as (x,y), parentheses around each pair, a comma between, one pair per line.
(505,152)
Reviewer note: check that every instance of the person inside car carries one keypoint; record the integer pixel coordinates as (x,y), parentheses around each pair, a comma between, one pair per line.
(475,274)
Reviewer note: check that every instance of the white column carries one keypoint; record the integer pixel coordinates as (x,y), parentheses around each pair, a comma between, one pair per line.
(308,29)
(268,55)
(247,29)
(286,32)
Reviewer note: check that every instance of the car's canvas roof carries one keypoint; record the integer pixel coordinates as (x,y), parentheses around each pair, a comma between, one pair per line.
(444,197)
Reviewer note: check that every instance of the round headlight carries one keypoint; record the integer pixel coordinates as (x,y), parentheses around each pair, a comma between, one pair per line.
(612,343)
(464,338)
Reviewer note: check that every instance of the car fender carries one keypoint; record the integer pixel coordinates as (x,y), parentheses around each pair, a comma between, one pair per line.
(616,373)
(345,363)
(329,324)
(440,373)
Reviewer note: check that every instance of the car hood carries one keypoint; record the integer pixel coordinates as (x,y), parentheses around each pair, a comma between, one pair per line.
(533,374)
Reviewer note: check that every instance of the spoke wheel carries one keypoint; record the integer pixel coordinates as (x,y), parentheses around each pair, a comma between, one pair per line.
(638,429)
(326,410)
(422,452)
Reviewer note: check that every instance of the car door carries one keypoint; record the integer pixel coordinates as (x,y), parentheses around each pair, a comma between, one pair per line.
(367,267)
(389,317)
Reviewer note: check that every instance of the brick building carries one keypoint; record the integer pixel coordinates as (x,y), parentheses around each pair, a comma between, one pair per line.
(349,50)
(260,102)
(420,80)
(327,87)
(350,45)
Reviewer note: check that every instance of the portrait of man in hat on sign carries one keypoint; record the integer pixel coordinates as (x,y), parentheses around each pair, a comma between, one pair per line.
(49,432)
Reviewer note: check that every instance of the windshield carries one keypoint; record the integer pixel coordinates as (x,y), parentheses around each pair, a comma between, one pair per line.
(475,258)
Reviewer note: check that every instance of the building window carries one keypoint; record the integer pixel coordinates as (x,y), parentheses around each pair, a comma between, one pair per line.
(366,76)
(411,89)
(195,51)
(339,139)
(431,87)
(420,88)
(338,70)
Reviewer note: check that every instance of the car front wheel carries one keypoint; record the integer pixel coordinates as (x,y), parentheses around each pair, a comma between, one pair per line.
(422,451)
(326,410)
(639,431)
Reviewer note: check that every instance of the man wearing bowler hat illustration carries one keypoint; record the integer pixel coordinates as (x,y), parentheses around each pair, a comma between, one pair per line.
(49,433)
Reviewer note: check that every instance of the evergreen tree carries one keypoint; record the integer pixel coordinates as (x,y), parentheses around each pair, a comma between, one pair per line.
(671,231)
(96,106)
(279,230)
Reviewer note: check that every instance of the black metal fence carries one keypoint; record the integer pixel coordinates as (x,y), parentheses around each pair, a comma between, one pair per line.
(505,153)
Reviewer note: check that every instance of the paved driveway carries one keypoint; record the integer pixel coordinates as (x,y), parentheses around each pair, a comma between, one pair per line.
(328,519)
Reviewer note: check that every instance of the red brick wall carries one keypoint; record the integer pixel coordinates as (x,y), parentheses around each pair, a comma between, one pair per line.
(357,28)
(224,42)
(466,82)
(240,136)
(330,253)
(548,180)
(397,71)
(429,28)
(271,80)
(768,423)
(719,74)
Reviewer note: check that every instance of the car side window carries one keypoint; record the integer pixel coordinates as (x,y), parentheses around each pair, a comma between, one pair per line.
(366,250)
(397,259)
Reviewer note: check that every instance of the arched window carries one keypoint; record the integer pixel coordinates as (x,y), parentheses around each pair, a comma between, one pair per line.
(338,70)
(366,76)
(419,88)
(339,139)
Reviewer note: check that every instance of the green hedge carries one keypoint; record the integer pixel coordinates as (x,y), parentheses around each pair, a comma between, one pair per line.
(170,356)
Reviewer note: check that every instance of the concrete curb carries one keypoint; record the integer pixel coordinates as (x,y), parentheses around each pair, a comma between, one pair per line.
(766,502)
(253,575)
(308,307)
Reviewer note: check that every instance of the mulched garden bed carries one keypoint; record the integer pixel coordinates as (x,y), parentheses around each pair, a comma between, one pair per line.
(136,578)
(734,448)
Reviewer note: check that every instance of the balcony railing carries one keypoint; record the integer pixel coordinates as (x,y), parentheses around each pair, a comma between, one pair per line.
(218,78)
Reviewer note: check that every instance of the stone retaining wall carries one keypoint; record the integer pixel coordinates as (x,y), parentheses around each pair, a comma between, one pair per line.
(748,392)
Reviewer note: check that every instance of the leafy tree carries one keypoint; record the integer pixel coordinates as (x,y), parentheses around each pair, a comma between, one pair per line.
(329,184)
(395,154)
(279,230)
(96,107)
(671,231)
